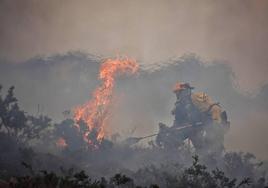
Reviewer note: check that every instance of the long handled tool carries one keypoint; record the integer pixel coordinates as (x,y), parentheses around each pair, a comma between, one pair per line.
(133,140)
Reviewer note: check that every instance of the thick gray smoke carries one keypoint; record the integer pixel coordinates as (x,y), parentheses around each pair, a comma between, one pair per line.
(57,83)
(150,30)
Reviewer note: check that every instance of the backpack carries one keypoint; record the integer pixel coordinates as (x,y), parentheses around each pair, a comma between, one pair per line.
(205,104)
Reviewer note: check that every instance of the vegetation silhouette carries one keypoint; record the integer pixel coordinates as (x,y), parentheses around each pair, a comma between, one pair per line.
(22,133)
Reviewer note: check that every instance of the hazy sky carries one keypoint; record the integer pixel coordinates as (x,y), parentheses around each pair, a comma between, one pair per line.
(235,31)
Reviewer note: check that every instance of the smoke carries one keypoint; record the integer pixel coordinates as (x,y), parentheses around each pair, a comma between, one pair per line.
(51,85)
(150,31)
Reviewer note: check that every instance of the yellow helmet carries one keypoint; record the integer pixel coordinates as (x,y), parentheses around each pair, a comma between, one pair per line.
(181,86)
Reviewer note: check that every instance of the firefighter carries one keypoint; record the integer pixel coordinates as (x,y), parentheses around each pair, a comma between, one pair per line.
(196,108)
(185,111)
(207,120)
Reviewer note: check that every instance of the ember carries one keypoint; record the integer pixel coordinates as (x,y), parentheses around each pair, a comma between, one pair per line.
(61,143)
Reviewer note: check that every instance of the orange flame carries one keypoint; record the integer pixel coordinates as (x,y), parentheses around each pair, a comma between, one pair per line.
(96,111)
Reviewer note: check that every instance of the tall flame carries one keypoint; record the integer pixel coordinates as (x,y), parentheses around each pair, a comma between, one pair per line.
(96,111)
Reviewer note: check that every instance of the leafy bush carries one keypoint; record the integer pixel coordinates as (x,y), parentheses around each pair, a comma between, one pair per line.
(16,123)
(195,176)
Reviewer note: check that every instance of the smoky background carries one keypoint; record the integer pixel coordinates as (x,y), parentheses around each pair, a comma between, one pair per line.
(51,52)
(52,85)
(150,31)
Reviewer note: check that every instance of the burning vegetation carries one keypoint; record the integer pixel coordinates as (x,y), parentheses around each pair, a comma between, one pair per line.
(80,152)
(95,113)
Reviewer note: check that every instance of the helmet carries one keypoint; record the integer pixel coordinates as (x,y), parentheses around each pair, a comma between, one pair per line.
(181,86)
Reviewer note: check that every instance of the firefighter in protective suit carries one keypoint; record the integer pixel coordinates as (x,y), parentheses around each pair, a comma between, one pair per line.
(201,120)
